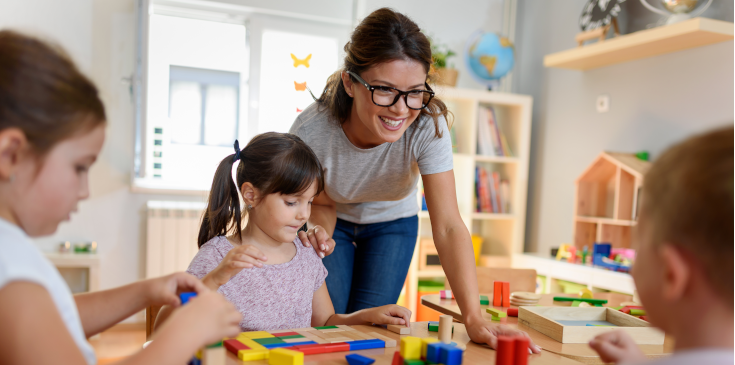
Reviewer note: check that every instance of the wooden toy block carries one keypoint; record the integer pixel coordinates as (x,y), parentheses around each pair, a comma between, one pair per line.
(505,351)
(337,347)
(297,338)
(250,343)
(366,344)
(645,318)
(216,355)
(637,312)
(315,336)
(496,312)
(354,336)
(425,342)
(286,357)
(497,293)
(399,329)
(506,294)
(410,348)
(287,345)
(450,355)
(346,328)
(356,359)
(195,361)
(591,301)
(413,362)
(285,334)
(255,334)
(432,352)
(446,294)
(341,339)
(186,297)
(513,312)
(325,327)
(445,328)
(576,303)
(389,342)
(397,359)
(496,319)
(433,326)
(268,341)
(253,354)
(234,346)
(364,335)
(332,330)
(484,300)
(520,355)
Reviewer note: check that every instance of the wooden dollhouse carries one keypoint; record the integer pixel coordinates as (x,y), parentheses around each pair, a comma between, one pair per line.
(607,196)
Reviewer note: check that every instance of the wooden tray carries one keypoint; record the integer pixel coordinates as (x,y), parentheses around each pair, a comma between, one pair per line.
(547,321)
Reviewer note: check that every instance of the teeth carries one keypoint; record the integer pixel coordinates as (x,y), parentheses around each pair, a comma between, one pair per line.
(391,122)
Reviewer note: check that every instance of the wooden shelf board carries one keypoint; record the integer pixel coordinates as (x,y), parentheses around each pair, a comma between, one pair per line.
(493,216)
(496,159)
(430,273)
(691,33)
(603,220)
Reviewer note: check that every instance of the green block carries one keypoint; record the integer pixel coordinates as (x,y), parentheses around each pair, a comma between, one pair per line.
(218,344)
(637,312)
(413,362)
(484,300)
(496,312)
(268,341)
(597,305)
(433,328)
(292,336)
(325,327)
(591,301)
(497,319)
(618,308)
(576,303)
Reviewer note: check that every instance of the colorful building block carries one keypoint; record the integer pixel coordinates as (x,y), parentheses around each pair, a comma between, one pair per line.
(286,357)
(289,344)
(637,312)
(484,300)
(432,352)
(512,312)
(356,359)
(445,328)
(496,312)
(234,346)
(399,329)
(425,342)
(591,301)
(366,344)
(521,351)
(326,327)
(410,348)
(413,362)
(268,341)
(505,351)
(389,342)
(250,343)
(214,355)
(397,359)
(255,334)
(506,295)
(450,355)
(285,334)
(433,326)
(446,294)
(186,297)
(253,354)
(497,293)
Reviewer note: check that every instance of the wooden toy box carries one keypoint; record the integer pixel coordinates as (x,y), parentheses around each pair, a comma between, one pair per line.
(569,324)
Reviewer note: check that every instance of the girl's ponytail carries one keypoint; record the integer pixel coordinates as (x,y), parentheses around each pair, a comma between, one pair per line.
(223,205)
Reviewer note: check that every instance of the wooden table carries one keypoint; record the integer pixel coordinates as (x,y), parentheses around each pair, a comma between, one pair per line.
(474,354)
(576,351)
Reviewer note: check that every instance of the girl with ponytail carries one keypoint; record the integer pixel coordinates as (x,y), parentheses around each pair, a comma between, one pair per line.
(263,268)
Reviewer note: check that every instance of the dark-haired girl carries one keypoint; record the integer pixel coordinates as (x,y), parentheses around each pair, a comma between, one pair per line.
(263,268)
(376,128)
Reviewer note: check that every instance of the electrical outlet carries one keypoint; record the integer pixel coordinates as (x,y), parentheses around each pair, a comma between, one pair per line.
(603,103)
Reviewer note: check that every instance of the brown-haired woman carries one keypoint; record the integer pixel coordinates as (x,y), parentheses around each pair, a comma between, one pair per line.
(52,126)
(376,128)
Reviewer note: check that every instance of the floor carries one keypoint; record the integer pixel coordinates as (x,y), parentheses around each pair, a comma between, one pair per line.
(117,343)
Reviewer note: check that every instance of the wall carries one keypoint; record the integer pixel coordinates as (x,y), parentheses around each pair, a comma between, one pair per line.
(654,102)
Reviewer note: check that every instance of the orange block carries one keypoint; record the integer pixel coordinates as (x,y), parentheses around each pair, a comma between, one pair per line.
(498,293)
(506,294)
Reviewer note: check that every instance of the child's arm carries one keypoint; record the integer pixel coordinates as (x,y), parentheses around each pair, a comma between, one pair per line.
(34,333)
(322,313)
(100,310)
(617,347)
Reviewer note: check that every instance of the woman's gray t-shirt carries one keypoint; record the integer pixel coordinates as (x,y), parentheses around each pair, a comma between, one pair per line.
(376,184)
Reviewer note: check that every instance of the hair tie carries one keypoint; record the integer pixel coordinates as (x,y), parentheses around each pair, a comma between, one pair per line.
(237,152)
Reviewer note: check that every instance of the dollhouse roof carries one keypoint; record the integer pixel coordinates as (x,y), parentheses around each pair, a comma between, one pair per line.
(607,162)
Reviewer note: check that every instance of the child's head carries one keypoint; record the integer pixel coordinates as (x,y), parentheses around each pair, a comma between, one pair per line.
(51,130)
(278,176)
(685,230)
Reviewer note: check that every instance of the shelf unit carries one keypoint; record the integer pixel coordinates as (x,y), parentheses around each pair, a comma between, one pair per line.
(691,33)
(503,234)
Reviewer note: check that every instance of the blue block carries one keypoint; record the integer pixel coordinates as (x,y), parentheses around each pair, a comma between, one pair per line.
(185,297)
(287,344)
(355,359)
(195,361)
(366,344)
(432,352)
(450,355)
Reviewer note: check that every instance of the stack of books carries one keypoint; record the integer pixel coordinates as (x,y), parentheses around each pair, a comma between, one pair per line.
(490,138)
(492,194)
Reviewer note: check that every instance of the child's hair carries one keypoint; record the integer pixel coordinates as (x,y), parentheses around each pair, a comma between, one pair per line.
(688,202)
(273,163)
(43,94)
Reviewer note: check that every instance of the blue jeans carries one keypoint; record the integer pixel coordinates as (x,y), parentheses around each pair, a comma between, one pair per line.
(371,272)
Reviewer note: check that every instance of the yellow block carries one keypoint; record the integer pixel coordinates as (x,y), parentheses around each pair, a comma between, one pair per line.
(411,348)
(424,343)
(251,344)
(252,354)
(256,334)
(585,293)
(283,356)
(477,248)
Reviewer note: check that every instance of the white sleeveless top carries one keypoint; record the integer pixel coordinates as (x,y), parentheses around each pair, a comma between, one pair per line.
(21,260)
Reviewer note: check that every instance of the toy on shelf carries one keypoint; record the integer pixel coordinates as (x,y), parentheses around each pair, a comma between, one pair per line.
(512,350)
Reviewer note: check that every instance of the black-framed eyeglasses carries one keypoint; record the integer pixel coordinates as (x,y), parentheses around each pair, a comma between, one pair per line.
(387,96)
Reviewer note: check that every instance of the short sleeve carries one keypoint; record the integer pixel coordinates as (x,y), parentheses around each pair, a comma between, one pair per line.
(321,274)
(434,154)
(205,260)
(318,270)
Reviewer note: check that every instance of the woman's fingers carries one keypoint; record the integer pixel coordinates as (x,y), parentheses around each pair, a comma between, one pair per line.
(304,238)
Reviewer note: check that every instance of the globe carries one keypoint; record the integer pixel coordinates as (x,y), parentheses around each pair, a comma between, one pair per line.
(489,57)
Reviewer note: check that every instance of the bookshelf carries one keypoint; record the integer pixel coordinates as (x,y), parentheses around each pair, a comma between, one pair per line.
(502,233)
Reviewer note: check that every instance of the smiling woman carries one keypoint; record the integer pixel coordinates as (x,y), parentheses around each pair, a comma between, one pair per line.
(376,128)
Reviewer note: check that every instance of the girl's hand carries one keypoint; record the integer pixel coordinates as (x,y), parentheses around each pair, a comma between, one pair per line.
(166,289)
(481,331)
(318,238)
(387,314)
(240,257)
(210,314)
(617,347)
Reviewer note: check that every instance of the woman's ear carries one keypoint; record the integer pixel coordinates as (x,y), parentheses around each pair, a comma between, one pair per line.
(249,194)
(13,143)
(677,272)
(347,83)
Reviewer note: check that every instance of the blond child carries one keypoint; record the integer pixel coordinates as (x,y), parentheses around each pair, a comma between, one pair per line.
(684,262)
(52,126)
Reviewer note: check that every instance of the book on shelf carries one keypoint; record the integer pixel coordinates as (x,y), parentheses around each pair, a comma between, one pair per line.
(491,140)
(492,194)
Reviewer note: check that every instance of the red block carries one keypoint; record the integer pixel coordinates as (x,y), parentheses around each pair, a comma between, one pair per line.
(234,346)
(312,349)
(506,294)
(497,293)
(512,312)
(505,351)
(338,347)
(397,359)
(281,334)
(645,318)
(521,351)
(625,310)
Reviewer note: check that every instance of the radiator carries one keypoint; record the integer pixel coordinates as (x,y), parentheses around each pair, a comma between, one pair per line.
(171,237)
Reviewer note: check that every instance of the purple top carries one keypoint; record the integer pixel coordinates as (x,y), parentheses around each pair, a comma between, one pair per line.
(272,297)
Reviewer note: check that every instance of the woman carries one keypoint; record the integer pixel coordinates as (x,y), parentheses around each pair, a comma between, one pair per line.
(375,128)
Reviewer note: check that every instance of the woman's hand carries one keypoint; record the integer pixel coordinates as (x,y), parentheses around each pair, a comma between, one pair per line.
(240,257)
(318,238)
(482,331)
(617,347)
(166,289)
(387,314)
